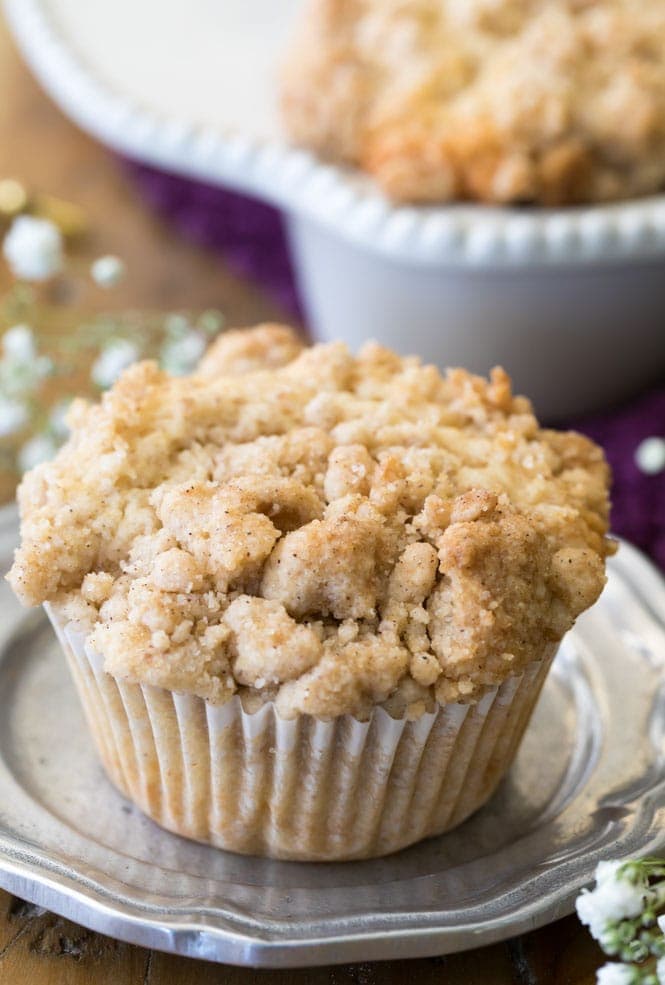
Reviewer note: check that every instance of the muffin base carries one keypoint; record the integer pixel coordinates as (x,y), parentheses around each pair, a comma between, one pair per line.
(304,789)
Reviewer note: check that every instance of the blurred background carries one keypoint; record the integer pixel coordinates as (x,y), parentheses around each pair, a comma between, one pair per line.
(183,258)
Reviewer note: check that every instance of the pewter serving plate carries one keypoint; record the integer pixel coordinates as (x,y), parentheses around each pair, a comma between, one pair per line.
(588,783)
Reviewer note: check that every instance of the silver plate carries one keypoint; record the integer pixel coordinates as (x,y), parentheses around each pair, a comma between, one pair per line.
(588,783)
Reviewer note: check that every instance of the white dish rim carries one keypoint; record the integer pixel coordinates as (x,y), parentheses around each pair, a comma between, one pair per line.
(463,235)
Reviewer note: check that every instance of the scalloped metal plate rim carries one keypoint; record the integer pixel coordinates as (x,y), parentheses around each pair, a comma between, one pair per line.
(278,917)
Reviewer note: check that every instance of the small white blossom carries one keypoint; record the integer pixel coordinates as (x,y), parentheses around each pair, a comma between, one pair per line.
(18,344)
(589,914)
(608,871)
(112,361)
(614,898)
(176,325)
(107,271)
(33,248)
(660,968)
(650,456)
(39,449)
(20,377)
(28,375)
(181,355)
(620,900)
(13,417)
(57,418)
(210,322)
(616,974)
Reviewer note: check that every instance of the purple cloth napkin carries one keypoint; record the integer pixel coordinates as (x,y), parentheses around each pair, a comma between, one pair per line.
(250,235)
(638,500)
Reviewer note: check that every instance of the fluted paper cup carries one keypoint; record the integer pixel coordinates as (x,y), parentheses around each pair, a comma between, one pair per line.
(306,788)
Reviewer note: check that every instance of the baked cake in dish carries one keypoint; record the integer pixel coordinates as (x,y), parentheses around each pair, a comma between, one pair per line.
(546,101)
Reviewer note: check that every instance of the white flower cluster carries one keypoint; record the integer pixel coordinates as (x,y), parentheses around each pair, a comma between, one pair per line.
(117,356)
(18,344)
(650,456)
(614,898)
(107,271)
(58,419)
(180,356)
(35,451)
(617,974)
(33,248)
(183,347)
(621,914)
(13,416)
(22,370)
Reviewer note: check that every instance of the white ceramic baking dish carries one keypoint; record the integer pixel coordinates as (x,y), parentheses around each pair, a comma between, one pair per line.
(570,301)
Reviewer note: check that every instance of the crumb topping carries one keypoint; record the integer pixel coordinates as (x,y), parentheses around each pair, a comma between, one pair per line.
(550,101)
(324,530)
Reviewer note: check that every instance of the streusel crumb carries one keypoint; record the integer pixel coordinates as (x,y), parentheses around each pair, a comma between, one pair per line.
(320,529)
(551,101)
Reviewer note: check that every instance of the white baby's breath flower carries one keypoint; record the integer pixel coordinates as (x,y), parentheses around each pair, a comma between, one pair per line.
(35,451)
(57,418)
(616,974)
(620,899)
(28,375)
(210,322)
(614,898)
(18,344)
(33,248)
(176,325)
(611,872)
(107,271)
(108,366)
(13,417)
(181,355)
(589,913)
(622,913)
(20,377)
(660,971)
(650,456)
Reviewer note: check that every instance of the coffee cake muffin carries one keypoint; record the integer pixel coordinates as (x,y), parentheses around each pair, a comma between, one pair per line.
(309,598)
(547,101)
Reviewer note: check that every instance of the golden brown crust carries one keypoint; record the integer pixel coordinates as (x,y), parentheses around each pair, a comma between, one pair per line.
(238,351)
(330,531)
(548,101)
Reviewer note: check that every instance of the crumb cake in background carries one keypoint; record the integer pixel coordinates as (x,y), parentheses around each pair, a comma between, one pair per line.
(546,101)
(309,598)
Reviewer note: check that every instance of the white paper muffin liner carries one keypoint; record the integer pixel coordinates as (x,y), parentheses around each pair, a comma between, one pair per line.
(305,788)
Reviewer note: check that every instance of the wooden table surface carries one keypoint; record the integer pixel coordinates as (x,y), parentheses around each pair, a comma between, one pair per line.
(40,147)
